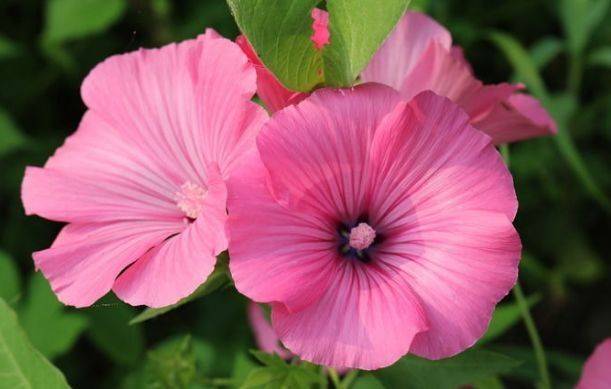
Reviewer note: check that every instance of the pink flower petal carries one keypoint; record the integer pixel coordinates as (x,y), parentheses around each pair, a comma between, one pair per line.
(266,337)
(274,95)
(85,259)
(597,369)
(175,268)
(80,182)
(275,255)
(447,206)
(314,179)
(367,318)
(403,48)
(320,37)
(185,105)
(519,117)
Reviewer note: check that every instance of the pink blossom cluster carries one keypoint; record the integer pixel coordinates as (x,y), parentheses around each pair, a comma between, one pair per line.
(374,220)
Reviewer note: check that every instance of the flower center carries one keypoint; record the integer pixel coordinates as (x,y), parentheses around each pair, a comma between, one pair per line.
(361,236)
(190,199)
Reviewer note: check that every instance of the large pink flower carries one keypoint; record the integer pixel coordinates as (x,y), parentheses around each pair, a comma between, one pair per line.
(417,56)
(373,227)
(597,369)
(142,181)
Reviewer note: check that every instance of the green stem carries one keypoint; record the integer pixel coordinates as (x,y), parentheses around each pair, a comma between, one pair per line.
(337,382)
(531,328)
(349,378)
(534,336)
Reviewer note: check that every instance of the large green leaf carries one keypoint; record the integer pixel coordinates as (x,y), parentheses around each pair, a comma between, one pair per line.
(60,329)
(73,19)
(579,19)
(280,32)
(505,316)
(10,135)
(411,372)
(218,278)
(21,365)
(357,29)
(110,331)
(9,278)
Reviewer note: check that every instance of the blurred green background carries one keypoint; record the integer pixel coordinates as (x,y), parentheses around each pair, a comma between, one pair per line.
(560,49)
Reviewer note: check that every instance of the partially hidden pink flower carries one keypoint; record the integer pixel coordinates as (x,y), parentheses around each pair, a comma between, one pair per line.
(265,336)
(373,227)
(596,372)
(141,183)
(417,56)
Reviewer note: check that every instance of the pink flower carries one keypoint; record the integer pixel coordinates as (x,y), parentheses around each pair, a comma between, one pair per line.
(267,340)
(597,369)
(417,56)
(141,183)
(373,227)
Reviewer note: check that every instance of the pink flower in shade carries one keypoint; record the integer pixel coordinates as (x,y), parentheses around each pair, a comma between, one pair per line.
(141,183)
(373,227)
(265,336)
(597,369)
(417,56)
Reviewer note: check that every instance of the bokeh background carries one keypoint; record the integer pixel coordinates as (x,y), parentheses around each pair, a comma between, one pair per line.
(560,49)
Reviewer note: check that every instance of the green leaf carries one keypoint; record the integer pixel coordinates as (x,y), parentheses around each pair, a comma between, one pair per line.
(216,280)
(367,381)
(60,330)
(601,57)
(73,19)
(564,364)
(278,374)
(524,66)
(545,50)
(171,365)
(489,383)
(10,135)
(357,28)
(268,359)
(21,365)
(411,372)
(110,332)
(9,278)
(579,19)
(280,31)
(505,316)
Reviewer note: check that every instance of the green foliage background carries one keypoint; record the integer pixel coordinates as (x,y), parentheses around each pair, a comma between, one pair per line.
(560,49)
